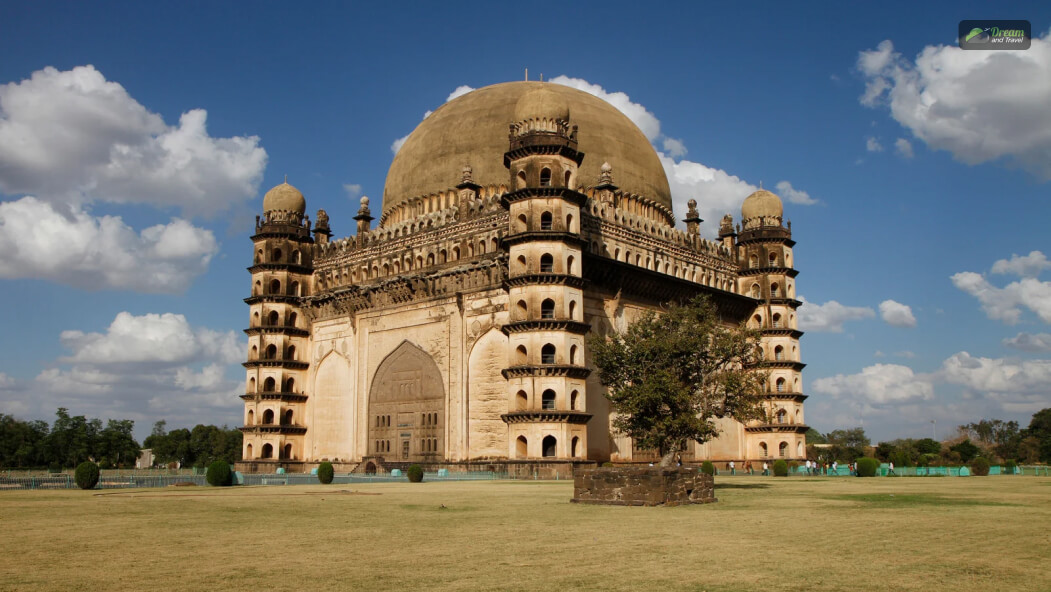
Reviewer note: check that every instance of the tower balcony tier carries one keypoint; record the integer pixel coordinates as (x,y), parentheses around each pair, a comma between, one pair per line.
(284,397)
(789,302)
(752,271)
(267,230)
(289,330)
(527,370)
(273,298)
(541,143)
(778,428)
(276,363)
(546,416)
(781,364)
(781,332)
(795,397)
(545,279)
(273,428)
(563,193)
(575,327)
(545,235)
(292,267)
(766,234)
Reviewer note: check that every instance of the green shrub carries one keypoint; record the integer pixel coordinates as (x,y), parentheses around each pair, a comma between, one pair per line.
(219,474)
(1010,467)
(980,467)
(54,468)
(415,473)
(325,472)
(707,467)
(867,467)
(87,475)
(780,468)
(607,464)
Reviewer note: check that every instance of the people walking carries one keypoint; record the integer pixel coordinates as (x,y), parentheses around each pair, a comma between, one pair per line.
(766,469)
(732,470)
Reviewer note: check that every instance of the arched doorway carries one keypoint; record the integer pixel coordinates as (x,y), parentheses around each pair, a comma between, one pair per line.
(408,388)
(370,468)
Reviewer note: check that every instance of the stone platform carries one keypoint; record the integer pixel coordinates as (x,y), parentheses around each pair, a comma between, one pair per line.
(643,486)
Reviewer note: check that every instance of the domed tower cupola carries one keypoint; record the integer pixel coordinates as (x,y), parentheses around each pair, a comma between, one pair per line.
(761,208)
(543,147)
(285,203)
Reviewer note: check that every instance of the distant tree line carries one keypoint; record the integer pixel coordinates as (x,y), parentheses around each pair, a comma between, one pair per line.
(71,440)
(993,439)
(193,448)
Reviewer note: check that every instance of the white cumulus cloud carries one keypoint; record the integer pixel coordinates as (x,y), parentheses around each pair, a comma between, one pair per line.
(796,196)
(903,148)
(1019,385)
(873,145)
(1030,265)
(879,384)
(74,137)
(673,147)
(896,314)
(1030,342)
(980,106)
(84,251)
(1006,304)
(155,338)
(830,316)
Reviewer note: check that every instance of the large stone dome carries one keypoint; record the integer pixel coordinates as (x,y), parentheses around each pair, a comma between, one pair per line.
(472,129)
(762,204)
(285,198)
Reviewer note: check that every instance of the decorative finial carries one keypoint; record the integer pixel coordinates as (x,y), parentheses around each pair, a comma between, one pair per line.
(605,176)
(286,178)
(527,75)
(468,174)
(760,183)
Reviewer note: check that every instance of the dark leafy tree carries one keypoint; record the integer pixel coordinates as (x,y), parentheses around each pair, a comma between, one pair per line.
(848,445)
(1040,429)
(966,450)
(928,446)
(671,376)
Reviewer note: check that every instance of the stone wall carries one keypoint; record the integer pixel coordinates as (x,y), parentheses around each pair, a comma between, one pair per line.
(643,486)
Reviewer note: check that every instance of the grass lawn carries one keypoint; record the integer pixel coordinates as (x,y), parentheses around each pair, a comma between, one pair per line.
(765,533)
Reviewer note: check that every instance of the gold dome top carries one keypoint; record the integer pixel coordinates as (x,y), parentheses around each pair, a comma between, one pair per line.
(762,204)
(286,198)
(541,103)
(472,129)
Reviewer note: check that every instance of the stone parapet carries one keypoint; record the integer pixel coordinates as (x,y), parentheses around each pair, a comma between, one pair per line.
(642,486)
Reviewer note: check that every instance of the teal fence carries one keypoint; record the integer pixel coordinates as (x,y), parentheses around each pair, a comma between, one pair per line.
(129,480)
(884,471)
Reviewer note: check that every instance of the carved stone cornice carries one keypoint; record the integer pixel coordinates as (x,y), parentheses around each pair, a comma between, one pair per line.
(546,416)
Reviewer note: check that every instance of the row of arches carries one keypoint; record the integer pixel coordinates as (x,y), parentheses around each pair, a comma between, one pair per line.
(273,319)
(266,451)
(545,179)
(547,265)
(775,291)
(781,385)
(782,450)
(270,352)
(783,418)
(703,277)
(777,321)
(277,256)
(548,447)
(273,288)
(547,222)
(780,354)
(267,417)
(547,309)
(772,260)
(548,400)
(548,355)
(270,385)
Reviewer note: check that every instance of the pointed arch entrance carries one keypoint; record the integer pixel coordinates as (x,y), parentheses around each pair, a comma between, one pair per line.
(407,407)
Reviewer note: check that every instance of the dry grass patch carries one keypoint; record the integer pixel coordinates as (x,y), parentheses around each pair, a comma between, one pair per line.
(960,534)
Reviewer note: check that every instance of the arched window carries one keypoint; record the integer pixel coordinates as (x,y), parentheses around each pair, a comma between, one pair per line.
(773,259)
(268,451)
(523,310)
(523,223)
(273,318)
(277,255)
(547,263)
(521,447)
(251,384)
(547,354)
(297,257)
(547,309)
(782,449)
(290,385)
(573,309)
(268,417)
(574,447)
(569,224)
(275,287)
(757,320)
(255,353)
(568,175)
(763,452)
(545,177)
(258,256)
(775,290)
(782,416)
(755,290)
(569,264)
(777,320)
(548,399)
(780,385)
(288,451)
(248,452)
(521,401)
(269,384)
(294,289)
(573,354)
(287,417)
(574,401)
(545,221)
(290,354)
(753,261)
(521,356)
(779,353)
(521,263)
(549,445)
(430,259)
(271,352)
(520,180)
(251,417)
(292,319)
(456,253)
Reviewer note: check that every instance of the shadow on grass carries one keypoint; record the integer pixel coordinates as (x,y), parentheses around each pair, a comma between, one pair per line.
(741,486)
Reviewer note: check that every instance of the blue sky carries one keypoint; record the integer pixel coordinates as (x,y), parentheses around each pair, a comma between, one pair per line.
(137,139)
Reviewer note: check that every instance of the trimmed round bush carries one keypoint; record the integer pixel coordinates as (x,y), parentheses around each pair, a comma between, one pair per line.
(325,472)
(1010,467)
(980,467)
(780,468)
(415,474)
(219,474)
(707,467)
(867,467)
(86,475)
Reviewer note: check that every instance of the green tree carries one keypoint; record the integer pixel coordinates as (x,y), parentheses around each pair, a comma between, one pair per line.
(670,376)
(116,445)
(815,437)
(928,446)
(966,449)
(848,445)
(1040,429)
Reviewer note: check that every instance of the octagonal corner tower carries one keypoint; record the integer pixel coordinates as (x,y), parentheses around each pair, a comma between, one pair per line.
(473,130)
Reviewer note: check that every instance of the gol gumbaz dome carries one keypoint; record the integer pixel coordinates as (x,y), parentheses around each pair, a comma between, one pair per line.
(762,204)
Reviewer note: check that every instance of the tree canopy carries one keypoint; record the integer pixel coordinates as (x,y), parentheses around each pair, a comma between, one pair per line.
(670,376)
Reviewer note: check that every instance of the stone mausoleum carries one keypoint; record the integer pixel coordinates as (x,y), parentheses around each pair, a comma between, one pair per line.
(515,220)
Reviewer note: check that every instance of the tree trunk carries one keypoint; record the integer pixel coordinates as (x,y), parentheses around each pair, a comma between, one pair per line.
(668,460)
